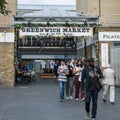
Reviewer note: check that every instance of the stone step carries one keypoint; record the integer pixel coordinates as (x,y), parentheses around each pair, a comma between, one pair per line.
(45,75)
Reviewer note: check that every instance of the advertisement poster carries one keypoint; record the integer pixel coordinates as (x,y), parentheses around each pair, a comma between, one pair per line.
(6,37)
(104,54)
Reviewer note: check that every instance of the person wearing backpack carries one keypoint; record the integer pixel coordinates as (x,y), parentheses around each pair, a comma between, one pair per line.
(70,82)
(77,71)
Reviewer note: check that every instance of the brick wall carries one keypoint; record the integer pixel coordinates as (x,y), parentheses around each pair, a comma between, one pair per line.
(9,19)
(108,10)
(7,63)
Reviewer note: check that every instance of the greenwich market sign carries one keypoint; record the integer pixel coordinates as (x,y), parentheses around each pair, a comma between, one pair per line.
(56,31)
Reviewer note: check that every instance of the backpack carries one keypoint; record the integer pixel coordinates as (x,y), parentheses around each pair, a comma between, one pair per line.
(70,71)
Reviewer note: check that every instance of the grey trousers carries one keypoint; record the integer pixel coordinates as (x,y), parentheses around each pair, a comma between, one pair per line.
(111,89)
(69,87)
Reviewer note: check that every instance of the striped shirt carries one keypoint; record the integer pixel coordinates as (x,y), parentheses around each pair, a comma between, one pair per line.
(62,75)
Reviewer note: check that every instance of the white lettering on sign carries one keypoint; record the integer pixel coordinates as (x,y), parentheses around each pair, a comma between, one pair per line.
(104,54)
(56,31)
(109,36)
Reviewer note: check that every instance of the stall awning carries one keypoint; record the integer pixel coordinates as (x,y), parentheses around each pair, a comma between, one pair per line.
(35,57)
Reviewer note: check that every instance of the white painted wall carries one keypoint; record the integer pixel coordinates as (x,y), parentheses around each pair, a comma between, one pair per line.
(115,62)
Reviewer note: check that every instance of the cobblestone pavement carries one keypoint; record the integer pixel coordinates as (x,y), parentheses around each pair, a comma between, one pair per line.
(40,101)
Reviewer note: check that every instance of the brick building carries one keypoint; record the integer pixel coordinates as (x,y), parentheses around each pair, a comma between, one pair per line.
(108,12)
(7,45)
(105,13)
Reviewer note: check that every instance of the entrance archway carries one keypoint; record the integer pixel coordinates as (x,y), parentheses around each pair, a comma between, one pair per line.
(46,44)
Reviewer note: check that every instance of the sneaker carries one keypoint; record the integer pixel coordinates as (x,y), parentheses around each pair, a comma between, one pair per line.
(92,118)
(104,100)
(83,99)
(67,98)
(112,103)
(87,115)
(76,99)
(61,100)
(71,97)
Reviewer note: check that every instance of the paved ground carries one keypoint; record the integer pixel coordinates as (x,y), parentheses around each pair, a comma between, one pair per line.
(40,101)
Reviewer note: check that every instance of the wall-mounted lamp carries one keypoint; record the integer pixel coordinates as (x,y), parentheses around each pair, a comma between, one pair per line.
(66,22)
(48,23)
(85,23)
(29,23)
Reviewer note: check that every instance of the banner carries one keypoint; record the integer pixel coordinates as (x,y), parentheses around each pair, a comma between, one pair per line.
(6,37)
(56,31)
(109,36)
(104,54)
(42,57)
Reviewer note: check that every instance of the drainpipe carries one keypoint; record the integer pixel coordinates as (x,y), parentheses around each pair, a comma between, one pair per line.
(85,48)
(99,10)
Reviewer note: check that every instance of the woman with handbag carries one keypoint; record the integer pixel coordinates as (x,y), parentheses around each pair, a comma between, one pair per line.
(77,72)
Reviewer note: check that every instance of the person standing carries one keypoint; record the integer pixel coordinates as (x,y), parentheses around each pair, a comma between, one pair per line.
(56,65)
(91,84)
(69,84)
(76,71)
(84,62)
(72,63)
(62,78)
(109,83)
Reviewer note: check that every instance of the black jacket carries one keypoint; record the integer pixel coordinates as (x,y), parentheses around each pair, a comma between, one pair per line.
(85,78)
(70,68)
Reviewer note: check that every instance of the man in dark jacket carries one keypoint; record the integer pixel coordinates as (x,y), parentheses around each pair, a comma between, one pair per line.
(91,85)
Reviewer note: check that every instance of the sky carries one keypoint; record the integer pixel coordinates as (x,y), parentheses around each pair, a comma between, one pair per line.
(48,2)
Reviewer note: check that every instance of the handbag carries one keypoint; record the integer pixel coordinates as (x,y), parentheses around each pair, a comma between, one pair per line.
(80,76)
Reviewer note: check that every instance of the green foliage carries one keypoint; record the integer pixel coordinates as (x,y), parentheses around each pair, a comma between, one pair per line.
(3,8)
(19,26)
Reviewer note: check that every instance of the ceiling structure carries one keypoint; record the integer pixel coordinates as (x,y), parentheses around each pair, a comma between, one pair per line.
(52,14)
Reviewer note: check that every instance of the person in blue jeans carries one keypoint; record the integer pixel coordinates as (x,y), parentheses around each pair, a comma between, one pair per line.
(62,78)
(90,82)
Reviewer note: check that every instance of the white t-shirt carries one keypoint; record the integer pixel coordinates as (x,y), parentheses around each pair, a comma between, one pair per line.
(43,63)
(78,69)
(109,75)
(47,64)
(52,64)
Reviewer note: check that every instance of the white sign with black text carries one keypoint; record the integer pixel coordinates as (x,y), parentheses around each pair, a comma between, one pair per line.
(104,54)
(56,31)
(109,36)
